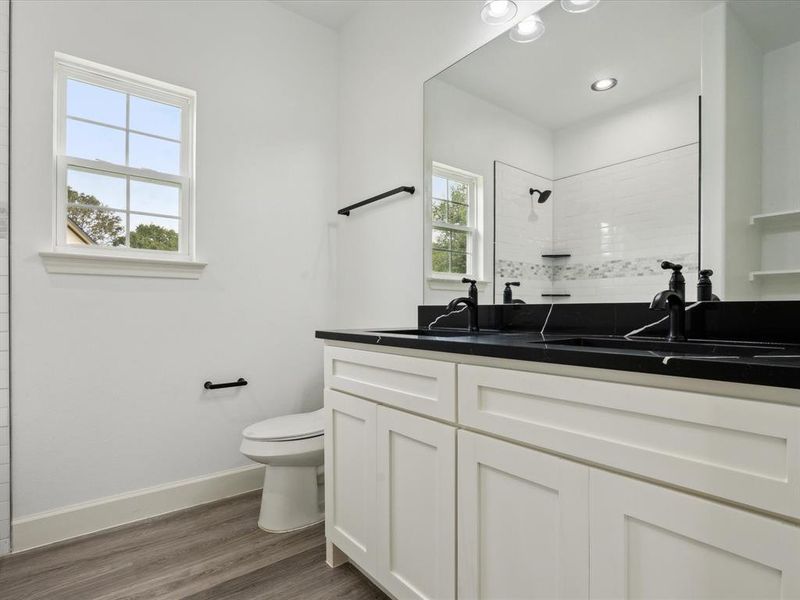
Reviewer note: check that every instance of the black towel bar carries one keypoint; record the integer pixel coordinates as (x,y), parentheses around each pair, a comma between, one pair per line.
(216,386)
(403,188)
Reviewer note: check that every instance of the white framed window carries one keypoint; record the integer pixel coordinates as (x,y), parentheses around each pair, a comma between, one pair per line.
(124,161)
(454,219)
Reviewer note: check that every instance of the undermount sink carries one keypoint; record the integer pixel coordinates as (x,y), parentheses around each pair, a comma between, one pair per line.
(693,348)
(431,332)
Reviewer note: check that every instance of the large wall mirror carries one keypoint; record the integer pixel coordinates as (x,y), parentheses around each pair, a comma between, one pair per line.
(621,137)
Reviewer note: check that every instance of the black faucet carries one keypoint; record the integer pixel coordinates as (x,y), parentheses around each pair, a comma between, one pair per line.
(672,301)
(471,303)
(473,289)
(677,283)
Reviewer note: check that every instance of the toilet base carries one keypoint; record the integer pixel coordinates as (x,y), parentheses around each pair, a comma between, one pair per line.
(291,499)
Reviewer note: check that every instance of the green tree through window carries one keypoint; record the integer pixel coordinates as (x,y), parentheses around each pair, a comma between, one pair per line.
(106,228)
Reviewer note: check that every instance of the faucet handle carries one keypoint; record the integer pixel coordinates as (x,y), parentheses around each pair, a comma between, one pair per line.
(669,265)
(468,280)
(706,273)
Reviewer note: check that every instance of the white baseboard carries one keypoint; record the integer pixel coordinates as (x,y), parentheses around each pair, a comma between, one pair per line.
(89,517)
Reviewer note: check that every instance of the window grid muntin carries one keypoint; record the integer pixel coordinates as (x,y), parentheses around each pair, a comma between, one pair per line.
(130,85)
(127,210)
(470,229)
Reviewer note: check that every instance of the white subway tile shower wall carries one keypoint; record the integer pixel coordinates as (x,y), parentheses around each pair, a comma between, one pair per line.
(618,223)
(5,463)
(523,232)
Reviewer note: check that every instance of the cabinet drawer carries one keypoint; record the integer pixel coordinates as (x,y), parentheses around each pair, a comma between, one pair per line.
(420,385)
(742,450)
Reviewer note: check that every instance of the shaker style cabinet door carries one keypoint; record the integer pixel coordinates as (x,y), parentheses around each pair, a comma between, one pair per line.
(653,542)
(416,506)
(350,476)
(523,529)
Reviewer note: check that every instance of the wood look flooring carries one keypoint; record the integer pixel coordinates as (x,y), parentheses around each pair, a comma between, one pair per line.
(214,551)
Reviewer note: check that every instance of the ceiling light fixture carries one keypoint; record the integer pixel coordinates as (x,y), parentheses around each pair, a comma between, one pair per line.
(497,12)
(578,6)
(602,85)
(529,29)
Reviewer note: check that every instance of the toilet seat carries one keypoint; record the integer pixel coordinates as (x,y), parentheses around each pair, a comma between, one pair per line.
(287,428)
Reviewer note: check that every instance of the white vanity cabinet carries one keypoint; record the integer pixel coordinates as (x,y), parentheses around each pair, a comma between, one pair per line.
(523,526)
(648,541)
(390,494)
(351,477)
(416,506)
(446,479)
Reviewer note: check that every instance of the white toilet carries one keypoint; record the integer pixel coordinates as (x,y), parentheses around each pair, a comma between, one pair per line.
(291,448)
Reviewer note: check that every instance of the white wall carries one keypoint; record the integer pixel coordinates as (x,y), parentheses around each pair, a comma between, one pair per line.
(781,129)
(731,153)
(781,175)
(464,131)
(655,124)
(387,51)
(743,151)
(108,372)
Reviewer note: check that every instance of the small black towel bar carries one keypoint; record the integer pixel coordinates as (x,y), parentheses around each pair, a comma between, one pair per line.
(216,386)
(403,188)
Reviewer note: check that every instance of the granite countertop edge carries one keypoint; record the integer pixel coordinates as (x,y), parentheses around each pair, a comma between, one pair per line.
(520,346)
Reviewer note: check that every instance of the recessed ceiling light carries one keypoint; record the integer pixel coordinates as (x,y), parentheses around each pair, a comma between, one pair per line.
(578,6)
(528,30)
(602,85)
(497,12)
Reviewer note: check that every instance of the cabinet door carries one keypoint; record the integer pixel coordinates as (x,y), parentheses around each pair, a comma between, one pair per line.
(350,476)
(523,529)
(653,542)
(416,506)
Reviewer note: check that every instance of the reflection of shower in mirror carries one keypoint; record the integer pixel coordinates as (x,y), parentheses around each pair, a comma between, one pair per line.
(543,196)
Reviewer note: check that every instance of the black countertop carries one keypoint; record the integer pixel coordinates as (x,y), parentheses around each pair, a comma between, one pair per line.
(779,366)
(514,331)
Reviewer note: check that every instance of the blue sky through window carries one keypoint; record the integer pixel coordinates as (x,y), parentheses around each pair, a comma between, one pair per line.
(109,190)
(99,142)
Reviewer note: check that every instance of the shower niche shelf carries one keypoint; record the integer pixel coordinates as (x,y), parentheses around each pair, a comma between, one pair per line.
(775,273)
(782,218)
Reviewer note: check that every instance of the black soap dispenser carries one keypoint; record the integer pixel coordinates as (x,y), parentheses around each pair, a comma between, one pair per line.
(677,283)
(508,295)
(704,292)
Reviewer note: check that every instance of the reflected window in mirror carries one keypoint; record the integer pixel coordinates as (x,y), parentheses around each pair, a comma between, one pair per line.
(454,230)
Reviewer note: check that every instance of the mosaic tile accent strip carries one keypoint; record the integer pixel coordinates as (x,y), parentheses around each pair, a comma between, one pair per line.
(610,269)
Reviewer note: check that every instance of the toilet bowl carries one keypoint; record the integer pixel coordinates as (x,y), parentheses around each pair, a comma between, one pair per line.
(291,447)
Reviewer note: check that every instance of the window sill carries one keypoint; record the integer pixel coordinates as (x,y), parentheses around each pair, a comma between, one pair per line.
(73,263)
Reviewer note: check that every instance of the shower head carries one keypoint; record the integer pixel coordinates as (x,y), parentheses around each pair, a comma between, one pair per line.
(543,195)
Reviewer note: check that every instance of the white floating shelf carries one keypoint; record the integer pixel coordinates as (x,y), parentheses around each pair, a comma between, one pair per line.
(783,272)
(775,217)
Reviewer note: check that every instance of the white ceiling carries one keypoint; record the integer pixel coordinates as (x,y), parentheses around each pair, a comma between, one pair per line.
(648,46)
(330,13)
